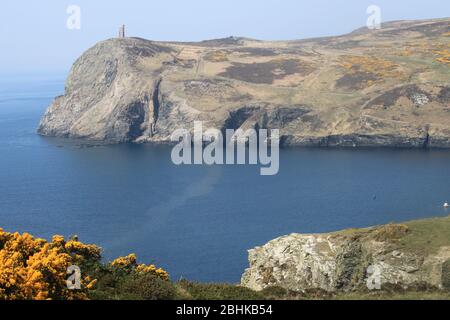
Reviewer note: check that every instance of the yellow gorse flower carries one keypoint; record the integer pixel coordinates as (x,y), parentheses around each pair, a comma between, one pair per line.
(32,268)
(130,263)
(124,262)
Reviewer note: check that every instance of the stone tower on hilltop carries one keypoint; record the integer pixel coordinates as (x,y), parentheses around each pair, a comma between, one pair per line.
(122,31)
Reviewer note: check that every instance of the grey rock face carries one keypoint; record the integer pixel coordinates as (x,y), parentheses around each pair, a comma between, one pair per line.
(323,92)
(344,261)
(107,98)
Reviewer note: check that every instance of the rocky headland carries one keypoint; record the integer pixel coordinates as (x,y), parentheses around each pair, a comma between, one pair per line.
(386,87)
(409,256)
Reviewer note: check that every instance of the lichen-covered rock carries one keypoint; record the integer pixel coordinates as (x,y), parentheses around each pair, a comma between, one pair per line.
(348,260)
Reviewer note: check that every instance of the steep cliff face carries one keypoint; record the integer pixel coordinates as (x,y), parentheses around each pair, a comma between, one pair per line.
(412,255)
(386,87)
(107,96)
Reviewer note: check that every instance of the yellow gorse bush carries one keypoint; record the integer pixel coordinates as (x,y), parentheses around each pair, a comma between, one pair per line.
(125,262)
(83,251)
(380,68)
(152,269)
(32,268)
(130,263)
(444,56)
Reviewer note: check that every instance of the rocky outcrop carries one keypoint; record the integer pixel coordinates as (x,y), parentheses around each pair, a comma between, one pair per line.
(354,90)
(374,258)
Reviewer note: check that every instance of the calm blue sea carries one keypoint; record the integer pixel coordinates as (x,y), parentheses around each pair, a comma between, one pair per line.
(198,221)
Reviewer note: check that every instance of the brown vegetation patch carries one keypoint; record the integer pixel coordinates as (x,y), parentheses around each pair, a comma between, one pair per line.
(267,72)
(230,41)
(435,29)
(444,95)
(356,81)
(390,97)
(391,232)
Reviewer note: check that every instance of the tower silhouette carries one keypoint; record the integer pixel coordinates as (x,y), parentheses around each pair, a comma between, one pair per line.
(122,31)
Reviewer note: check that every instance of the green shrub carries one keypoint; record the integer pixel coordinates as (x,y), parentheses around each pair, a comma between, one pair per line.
(274,292)
(146,286)
(217,291)
(119,284)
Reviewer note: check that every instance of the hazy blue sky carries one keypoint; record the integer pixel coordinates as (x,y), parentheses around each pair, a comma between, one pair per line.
(34,37)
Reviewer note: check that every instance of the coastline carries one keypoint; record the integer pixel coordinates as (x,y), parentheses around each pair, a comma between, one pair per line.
(412,260)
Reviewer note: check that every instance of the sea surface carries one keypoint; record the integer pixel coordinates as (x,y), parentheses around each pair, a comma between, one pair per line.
(195,221)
